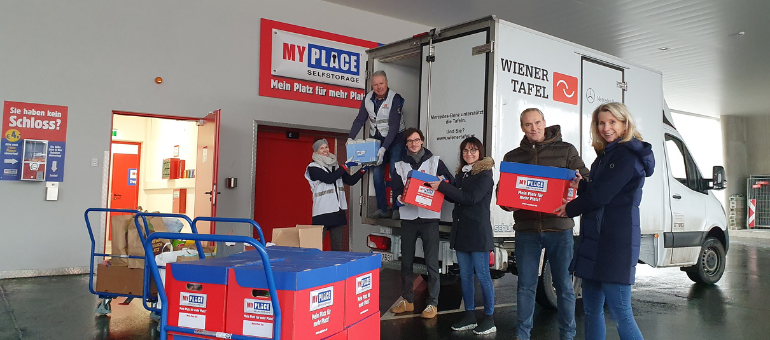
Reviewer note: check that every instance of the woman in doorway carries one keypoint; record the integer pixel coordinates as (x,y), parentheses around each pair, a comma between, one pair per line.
(472,237)
(417,222)
(329,202)
(608,248)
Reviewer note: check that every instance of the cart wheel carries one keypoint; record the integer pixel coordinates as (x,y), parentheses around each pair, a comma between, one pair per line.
(156,317)
(104,307)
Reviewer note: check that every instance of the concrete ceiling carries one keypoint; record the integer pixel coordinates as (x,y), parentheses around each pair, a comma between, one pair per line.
(708,68)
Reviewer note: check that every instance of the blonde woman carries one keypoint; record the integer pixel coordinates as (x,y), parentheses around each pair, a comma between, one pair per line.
(608,248)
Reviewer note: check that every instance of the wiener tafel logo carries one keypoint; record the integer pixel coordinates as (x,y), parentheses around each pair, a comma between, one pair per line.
(321,298)
(565,88)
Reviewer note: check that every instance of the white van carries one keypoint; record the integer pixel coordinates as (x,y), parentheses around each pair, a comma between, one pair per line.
(474,79)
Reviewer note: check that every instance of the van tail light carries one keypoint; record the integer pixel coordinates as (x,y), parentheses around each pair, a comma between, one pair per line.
(491,259)
(378,242)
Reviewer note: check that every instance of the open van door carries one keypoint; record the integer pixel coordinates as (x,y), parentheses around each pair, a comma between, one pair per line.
(207,170)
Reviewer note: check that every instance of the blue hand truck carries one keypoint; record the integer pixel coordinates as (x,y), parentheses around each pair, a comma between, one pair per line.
(150,259)
(104,307)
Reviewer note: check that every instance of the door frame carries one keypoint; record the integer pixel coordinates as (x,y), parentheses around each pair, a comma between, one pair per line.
(262,125)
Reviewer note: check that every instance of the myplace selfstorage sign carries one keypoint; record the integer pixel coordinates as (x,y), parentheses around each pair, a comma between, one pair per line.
(309,65)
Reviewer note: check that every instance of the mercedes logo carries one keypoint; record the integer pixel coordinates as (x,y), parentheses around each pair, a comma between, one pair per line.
(590,95)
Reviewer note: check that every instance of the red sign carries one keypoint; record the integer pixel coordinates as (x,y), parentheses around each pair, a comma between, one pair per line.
(565,88)
(33,142)
(304,64)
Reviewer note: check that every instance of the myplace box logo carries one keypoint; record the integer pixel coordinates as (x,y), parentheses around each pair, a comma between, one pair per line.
(532,184)
(193,300)
(252,306)
(426,191)
(363,283)
(321,298)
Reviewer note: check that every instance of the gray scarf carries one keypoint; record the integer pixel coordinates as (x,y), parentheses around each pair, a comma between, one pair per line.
(325,161)
(417,156)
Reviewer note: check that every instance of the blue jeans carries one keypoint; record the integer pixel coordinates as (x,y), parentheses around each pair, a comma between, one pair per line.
(558,249)
(477,261)
(618,299)
(392,155)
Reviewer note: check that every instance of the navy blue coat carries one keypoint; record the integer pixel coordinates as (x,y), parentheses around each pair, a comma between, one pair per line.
(608,248)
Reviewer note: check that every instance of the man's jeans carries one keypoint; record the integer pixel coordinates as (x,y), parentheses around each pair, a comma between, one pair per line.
(392,155)
(558,249)
(618,300)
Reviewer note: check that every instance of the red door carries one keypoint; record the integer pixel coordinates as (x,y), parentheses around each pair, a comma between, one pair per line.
(282,194)
(207,170)
(124,186)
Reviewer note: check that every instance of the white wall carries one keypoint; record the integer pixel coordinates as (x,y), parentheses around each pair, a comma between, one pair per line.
(95,56)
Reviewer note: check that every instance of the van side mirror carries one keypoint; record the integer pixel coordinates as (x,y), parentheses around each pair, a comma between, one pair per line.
(718,179)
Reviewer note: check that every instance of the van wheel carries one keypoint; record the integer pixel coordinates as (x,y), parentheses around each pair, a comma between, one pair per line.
(545,295)
(711,263)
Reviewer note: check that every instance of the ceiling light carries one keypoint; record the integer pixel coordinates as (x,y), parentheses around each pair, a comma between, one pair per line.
(663,48)
(740,33)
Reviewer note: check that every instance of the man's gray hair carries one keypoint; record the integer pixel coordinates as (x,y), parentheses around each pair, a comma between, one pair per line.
(380,73)
(521,116)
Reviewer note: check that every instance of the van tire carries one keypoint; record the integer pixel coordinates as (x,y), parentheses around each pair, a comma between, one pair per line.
(711,263)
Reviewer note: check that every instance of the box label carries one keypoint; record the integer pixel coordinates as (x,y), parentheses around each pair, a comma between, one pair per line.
(256,328)
(363,283)
(192,300)
(423,200)
(533,184)
(261,307)
(321,298)
(192,320)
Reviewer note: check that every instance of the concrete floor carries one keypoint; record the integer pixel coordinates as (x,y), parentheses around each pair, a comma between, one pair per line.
(667,305)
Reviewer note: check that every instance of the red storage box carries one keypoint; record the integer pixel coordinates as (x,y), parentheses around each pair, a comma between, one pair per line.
(197,292)
(534,187)
(311,296)
(362,286)
(368,328)
(418,194)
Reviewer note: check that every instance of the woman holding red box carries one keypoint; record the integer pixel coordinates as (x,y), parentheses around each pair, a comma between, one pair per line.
(472,237)
(610,228)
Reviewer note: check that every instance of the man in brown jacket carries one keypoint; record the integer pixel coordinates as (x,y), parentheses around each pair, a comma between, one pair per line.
(535,231)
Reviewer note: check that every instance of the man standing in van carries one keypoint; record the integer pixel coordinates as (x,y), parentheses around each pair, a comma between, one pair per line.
(536,231)
(382,107)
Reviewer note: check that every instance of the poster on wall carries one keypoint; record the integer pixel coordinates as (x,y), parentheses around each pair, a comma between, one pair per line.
(304,64)
(33,142)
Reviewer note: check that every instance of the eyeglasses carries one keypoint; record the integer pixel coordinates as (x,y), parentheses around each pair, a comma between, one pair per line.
(413,141)
(471,151)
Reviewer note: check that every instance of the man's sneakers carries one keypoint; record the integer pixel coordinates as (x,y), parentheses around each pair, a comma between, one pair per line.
(402,307)
(487,326)
(467,322)
(429,312)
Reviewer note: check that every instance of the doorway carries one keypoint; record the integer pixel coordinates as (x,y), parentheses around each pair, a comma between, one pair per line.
(164,164)
(282,195)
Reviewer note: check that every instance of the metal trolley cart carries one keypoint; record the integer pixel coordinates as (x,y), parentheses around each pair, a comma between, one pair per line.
(197,333)
(104,306)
